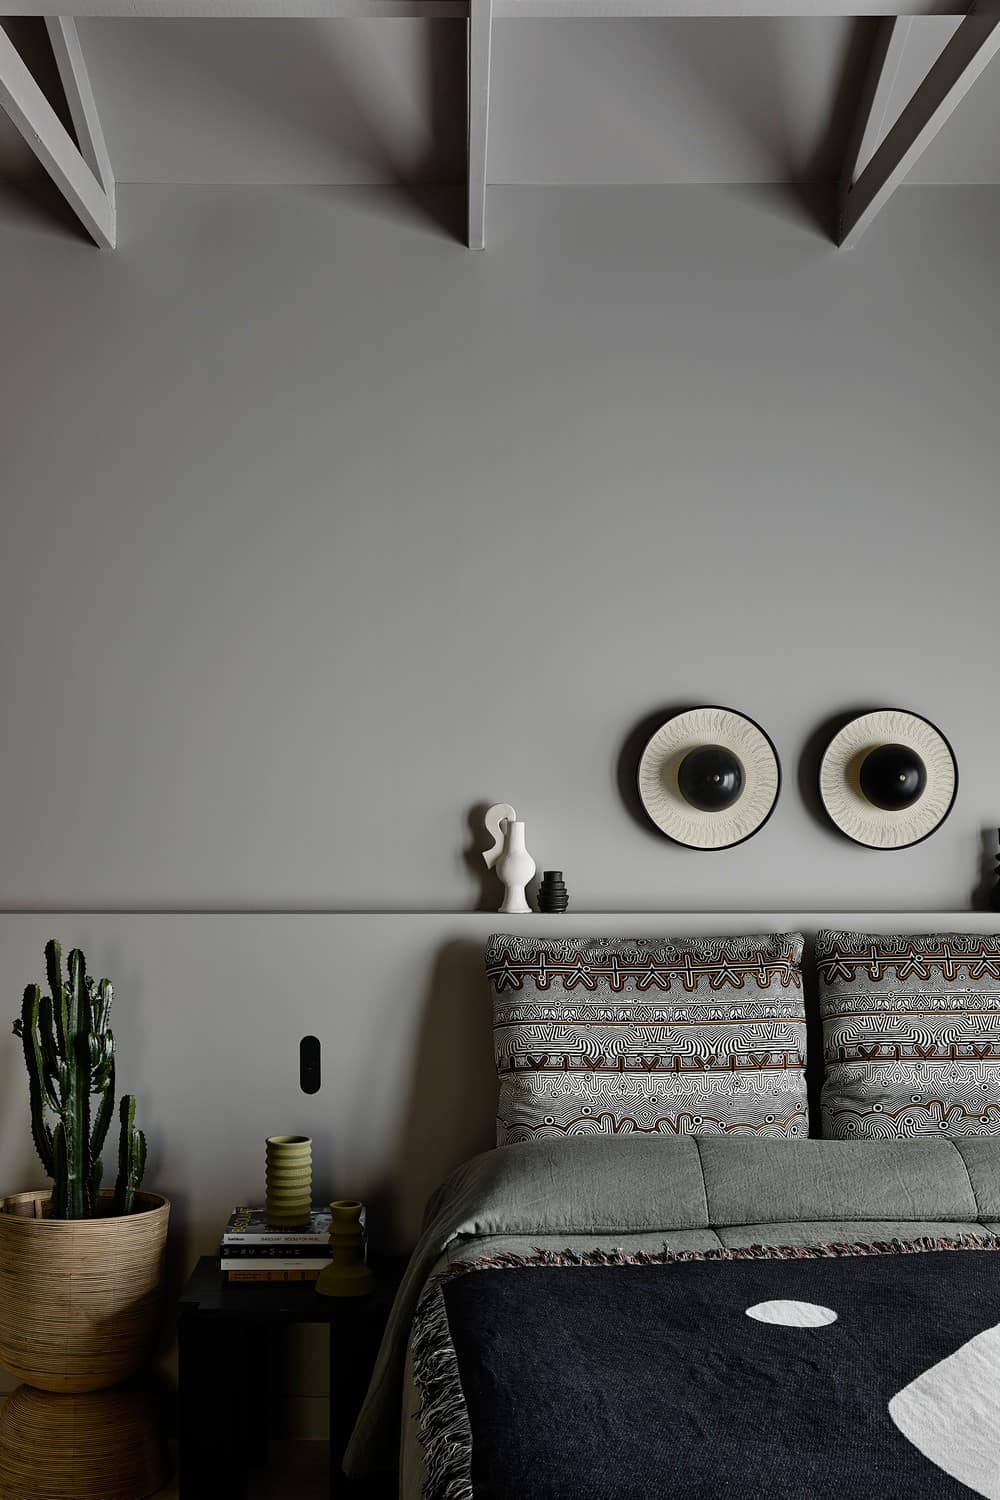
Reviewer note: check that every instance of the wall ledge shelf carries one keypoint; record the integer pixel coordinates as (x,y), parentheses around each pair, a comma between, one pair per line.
(616,915)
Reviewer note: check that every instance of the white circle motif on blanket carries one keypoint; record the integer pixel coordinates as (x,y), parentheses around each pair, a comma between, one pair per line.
(787,1314)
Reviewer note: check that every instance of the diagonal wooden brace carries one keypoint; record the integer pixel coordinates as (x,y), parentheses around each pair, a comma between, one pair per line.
(92,200)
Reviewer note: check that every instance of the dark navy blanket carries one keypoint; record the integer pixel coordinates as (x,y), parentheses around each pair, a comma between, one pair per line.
(867,1376)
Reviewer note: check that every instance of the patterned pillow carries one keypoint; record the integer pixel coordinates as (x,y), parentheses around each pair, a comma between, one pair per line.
(669,1036)
(911,1034)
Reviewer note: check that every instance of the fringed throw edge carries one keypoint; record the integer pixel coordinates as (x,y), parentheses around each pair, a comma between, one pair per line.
(443,1425)
(443,1418)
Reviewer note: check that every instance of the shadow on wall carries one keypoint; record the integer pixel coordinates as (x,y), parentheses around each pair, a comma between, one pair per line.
(342,101)
(824,160)
(25,1171)
(627,769)
(809,763)
(983,895)
(26,193)
(452,1109)
(418,145)
(31,40)
(814,1036)
(490,890)
(431,184)
(806,170)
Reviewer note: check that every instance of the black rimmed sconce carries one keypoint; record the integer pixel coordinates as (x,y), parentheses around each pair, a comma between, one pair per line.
(888,779)
(709,778)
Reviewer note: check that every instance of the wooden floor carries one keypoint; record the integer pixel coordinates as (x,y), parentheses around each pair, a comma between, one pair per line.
(296,1471)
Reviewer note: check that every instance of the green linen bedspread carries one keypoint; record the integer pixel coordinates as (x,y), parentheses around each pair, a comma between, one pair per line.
(633,1192)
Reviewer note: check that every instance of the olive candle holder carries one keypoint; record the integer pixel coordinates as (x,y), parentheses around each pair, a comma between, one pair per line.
(347,1275)
(288,1188)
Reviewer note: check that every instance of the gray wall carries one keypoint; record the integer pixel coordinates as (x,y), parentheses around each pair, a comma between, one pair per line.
(318,531)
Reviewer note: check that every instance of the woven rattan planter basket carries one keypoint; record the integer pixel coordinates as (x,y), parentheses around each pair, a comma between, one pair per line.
(103,1445)
(79,1298)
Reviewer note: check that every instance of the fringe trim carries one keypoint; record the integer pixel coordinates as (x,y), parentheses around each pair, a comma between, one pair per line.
(443,1425)
(507,1261)
(443,1419)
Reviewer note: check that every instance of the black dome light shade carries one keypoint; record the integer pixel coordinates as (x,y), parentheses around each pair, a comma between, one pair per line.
(893,777)
(710,778)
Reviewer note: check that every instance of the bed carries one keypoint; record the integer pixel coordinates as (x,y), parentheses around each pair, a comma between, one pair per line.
(609,1318)
(659,1285)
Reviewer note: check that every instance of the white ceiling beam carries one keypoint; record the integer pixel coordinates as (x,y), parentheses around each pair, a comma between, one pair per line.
(480,48)
(714,9)
(949,80)
(871,118)
(284,10)
(893,37)
(75,79)
(44,132)
(432,9)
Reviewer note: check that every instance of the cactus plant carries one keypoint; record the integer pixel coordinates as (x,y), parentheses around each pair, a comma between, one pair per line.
(131,1157)
(69,1051)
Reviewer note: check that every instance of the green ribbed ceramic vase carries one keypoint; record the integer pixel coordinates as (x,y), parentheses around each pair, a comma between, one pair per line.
(288,1188)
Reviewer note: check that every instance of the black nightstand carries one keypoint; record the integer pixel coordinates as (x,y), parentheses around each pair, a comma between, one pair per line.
(222,1339)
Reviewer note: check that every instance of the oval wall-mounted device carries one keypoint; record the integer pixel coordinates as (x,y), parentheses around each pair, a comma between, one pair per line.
(309,1065)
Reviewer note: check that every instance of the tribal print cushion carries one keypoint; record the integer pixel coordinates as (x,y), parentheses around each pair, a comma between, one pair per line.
(911,1034)
(674,1036)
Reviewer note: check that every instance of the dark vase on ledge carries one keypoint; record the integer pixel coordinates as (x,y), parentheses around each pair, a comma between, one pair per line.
(552,893)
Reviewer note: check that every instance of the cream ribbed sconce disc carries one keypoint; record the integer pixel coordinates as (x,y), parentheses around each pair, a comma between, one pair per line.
(888,779)
(709,778)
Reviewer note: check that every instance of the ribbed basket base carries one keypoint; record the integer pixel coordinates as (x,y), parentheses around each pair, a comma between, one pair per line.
(80,1299)
(104,1445)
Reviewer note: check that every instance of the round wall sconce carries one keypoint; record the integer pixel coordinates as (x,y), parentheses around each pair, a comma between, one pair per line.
(709,778)
(888,779)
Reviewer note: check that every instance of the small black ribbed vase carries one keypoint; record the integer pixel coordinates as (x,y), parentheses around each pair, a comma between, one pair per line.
(552,893)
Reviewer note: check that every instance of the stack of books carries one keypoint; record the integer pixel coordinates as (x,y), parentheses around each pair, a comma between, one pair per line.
(252,1252)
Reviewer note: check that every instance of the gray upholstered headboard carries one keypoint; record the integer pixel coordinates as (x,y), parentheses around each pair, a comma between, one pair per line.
(210,1009)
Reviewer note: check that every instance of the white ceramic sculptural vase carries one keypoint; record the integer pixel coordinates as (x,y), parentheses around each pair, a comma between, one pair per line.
(515,868)
(514,864)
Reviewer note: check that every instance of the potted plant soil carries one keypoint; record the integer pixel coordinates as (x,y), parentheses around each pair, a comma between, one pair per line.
(81,1269)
